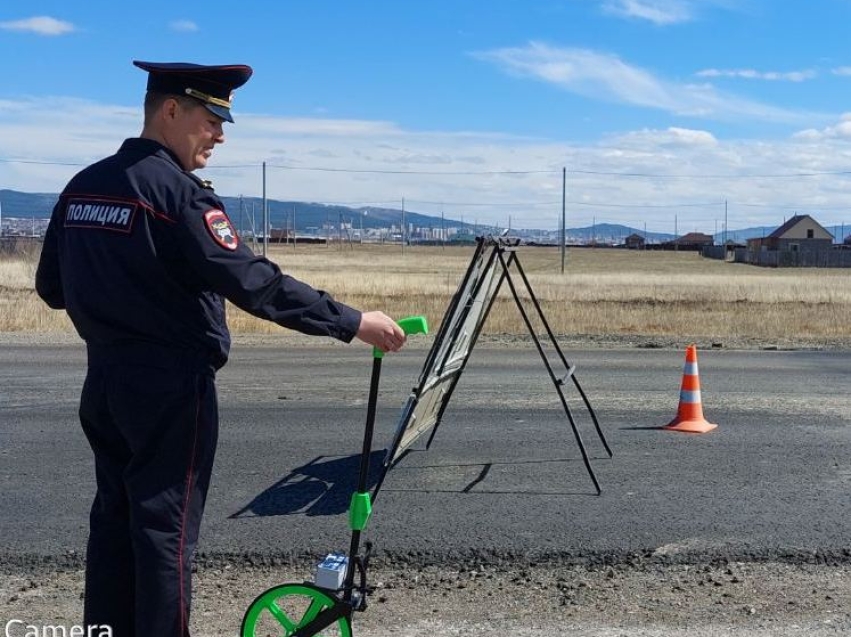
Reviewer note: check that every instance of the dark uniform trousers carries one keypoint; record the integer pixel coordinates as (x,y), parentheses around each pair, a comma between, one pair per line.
(151,418)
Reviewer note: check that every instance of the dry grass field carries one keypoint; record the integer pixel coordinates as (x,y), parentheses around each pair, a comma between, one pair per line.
(602,293)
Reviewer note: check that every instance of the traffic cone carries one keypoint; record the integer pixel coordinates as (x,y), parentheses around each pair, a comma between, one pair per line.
(690,411)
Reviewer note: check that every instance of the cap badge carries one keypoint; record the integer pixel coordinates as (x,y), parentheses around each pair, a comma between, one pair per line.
(204,97)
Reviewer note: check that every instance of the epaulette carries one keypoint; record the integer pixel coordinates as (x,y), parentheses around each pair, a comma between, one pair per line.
(204,183)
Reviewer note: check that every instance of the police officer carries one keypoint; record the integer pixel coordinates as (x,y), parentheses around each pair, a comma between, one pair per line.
(141,254)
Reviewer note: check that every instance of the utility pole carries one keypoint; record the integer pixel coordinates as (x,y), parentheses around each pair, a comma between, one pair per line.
(265,214)
(294,233)
(365,214)
(241,225)
(725,229)
(254,224)
(404,226)
(563,228)
(676,235)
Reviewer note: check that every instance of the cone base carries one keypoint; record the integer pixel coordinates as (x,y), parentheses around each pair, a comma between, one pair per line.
(695,426)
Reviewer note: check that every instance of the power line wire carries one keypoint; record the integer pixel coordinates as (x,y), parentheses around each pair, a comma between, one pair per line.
(603,173)
(486,204)
(642,205)
(41,163)
(413,172)
(526,172)
(698,177)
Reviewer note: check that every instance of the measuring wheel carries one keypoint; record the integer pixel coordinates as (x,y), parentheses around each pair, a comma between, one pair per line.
(304,610)
(290,607)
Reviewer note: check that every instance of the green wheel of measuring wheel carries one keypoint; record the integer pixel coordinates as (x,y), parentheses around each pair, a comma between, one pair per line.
(290,607)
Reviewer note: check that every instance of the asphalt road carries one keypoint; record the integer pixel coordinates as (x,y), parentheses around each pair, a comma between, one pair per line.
(504,477)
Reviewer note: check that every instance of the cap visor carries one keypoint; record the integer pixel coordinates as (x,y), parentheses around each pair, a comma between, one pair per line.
(220,111)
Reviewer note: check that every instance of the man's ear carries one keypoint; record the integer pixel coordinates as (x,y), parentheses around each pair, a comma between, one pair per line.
(169,108)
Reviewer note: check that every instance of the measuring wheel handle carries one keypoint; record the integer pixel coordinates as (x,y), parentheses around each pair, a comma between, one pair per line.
(409,325)
(305,609)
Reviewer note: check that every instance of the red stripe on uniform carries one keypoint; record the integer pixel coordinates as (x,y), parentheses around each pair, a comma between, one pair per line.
(189,472)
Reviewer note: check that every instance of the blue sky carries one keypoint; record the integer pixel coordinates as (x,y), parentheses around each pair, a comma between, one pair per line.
(661,110)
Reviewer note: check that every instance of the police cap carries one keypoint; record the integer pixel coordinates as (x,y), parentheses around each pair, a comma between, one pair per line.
(211,85)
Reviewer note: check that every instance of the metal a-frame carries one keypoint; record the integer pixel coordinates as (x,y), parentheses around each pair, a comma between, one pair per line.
(490,267)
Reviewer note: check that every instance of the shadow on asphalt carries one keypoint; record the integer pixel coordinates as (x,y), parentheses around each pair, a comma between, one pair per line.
(323,486)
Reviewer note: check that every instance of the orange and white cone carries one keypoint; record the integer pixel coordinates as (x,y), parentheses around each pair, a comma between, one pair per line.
(690,411)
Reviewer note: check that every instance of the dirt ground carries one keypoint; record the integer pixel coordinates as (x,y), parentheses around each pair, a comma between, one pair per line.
(742,599)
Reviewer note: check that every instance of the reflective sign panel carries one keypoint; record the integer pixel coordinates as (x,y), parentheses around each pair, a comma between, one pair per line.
(448,356)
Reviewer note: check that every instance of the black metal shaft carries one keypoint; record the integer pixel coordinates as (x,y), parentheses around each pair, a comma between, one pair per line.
(363,479)
(371,408)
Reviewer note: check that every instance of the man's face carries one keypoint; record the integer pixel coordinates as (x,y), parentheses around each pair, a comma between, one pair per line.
(193,131)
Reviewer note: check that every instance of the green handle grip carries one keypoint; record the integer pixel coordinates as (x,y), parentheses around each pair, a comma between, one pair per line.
(360,509)
(409,325)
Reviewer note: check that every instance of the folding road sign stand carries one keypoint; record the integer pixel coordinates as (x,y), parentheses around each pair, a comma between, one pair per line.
(326,608)
(491,265)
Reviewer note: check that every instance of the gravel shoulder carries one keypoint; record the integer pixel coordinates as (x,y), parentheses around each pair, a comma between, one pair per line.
(744,599)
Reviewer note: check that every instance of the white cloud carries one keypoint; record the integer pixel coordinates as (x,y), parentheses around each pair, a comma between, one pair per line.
(643,176)
(660,12)
(842,70)
(183,26)
(605,76)
(673,136)
(751,74)
(840,130)
(322,127)
(49,129)
(667,12)
(40,25)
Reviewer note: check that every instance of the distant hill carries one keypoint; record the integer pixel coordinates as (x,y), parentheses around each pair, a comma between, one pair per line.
(316,216)
(246,212)
(27,204)
(611,233)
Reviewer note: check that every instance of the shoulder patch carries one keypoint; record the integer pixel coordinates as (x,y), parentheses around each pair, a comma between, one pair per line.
(221,229)
(101,213)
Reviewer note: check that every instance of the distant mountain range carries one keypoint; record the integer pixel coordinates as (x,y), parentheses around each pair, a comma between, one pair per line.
(319,219)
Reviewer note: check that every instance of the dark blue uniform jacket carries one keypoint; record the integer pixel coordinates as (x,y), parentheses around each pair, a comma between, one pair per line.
(141,252)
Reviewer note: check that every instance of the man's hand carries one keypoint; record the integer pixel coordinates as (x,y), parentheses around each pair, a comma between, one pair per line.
(379,330)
